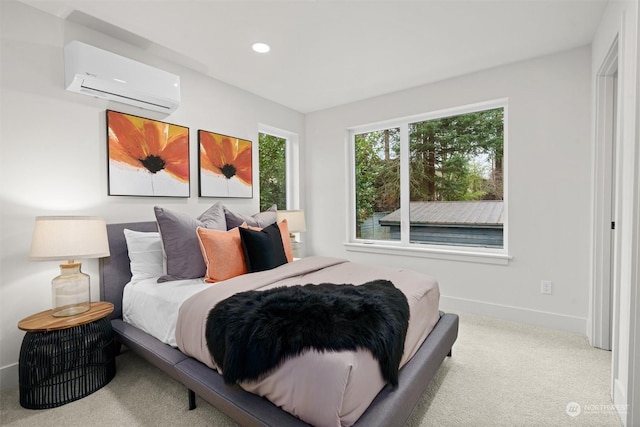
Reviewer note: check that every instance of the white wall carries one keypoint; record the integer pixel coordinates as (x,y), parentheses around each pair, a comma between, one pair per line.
(53,152)
(548,188)
(621,22)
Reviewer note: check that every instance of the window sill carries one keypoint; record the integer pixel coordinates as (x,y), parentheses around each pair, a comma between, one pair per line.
(431,252)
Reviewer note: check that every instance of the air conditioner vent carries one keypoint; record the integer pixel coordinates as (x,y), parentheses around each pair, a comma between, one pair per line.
(97,72)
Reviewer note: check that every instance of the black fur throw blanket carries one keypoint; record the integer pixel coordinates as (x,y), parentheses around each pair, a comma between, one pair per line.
(251,333)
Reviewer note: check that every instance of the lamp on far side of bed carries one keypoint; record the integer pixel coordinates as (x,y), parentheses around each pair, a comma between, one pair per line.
(69,238)
(296,224)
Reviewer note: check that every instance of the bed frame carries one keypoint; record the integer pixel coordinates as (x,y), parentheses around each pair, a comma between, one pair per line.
(390,407)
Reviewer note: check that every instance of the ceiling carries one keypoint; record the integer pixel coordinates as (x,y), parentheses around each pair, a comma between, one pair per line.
(327,53)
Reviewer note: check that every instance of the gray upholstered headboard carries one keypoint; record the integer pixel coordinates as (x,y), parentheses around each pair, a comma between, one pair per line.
(114,270)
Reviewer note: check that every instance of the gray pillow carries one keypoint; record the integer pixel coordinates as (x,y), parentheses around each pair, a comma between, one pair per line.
(180,240)
(261,219)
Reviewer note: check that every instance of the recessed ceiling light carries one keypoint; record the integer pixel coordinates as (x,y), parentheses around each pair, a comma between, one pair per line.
(261,47)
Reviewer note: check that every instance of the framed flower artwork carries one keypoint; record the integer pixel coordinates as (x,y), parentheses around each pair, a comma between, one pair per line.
(225,168)
(147,157)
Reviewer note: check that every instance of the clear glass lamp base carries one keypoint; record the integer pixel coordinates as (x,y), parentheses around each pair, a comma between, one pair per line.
(71,310)
(70,291)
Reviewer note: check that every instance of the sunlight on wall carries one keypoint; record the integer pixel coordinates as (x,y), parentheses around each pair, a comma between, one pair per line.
(50,203)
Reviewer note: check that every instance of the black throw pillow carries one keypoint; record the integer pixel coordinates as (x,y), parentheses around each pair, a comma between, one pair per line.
(263,250)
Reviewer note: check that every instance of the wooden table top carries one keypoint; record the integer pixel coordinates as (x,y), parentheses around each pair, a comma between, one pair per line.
(44,321)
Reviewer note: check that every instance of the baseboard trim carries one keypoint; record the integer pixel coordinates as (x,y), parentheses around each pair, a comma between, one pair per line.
(516,314)
(619,395)
(9,376)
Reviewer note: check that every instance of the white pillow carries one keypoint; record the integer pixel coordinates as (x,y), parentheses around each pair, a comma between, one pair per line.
(145,254)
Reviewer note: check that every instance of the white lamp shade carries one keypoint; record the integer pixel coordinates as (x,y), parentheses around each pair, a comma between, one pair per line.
(69,238)
(295,220)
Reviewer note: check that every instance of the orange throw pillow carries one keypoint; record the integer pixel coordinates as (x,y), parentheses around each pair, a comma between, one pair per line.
(222,253)
(286,240)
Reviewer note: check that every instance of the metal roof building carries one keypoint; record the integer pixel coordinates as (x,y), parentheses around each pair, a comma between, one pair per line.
(467,223)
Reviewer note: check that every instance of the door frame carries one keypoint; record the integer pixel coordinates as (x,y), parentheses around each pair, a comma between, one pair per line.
(606,132)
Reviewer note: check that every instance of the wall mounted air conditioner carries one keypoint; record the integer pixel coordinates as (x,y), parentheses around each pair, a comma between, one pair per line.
(103,74)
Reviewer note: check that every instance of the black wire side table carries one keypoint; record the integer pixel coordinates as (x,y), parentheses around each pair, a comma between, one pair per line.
(65,359)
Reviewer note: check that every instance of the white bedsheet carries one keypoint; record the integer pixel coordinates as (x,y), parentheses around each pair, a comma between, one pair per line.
(153,307)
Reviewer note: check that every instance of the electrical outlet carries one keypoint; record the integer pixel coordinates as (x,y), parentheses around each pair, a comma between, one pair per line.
(546,287)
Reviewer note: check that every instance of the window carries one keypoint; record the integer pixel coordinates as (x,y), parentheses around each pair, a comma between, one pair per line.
(279,168)
(430,181)
(377,180)
(273,171)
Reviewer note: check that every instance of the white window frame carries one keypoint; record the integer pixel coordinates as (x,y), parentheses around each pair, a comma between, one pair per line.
(292,159)
(404,247)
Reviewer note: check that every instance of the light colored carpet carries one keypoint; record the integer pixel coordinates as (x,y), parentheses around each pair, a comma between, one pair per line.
(501,374)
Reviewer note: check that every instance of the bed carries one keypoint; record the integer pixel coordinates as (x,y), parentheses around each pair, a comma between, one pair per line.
(391,406)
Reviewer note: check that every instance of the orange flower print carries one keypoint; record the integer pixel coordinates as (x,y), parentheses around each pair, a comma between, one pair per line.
(149,144)
(226,156)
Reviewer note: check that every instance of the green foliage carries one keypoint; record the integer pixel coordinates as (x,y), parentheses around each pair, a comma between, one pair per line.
(367,169)
(273,171)
(377,172)
(444,157)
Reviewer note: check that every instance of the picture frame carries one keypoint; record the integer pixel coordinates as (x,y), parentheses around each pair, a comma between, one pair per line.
(225,166)
(146,157)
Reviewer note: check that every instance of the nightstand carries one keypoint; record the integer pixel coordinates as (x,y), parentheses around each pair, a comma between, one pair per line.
(63,359)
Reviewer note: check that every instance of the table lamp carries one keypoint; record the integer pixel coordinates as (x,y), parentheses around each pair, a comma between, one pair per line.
(296,224)
(69,238)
